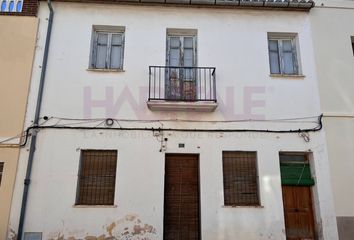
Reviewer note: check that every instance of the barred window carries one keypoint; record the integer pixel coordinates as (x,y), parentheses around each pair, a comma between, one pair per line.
(97,177)
(1,170)
(240,178)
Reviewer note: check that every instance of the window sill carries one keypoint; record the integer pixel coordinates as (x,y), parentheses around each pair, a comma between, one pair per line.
(246,206)
(94,206)
(104,70)
(201,106)
(287,76)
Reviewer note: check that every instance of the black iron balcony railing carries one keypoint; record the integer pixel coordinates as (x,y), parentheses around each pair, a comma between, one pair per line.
(182,83)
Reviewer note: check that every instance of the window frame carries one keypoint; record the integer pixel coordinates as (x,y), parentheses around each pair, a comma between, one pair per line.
(280,37)
(258,204)
(77,196)
(110,30)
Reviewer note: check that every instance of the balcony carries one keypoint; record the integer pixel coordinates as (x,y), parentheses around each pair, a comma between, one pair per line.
(182,88)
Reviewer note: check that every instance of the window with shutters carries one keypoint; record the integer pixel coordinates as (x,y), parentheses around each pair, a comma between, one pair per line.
(283,56)
(240,178)
(1,170)
(295,169)
(107,49)
(97,177)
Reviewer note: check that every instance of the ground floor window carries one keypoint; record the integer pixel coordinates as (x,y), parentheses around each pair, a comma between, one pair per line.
(97,177)
(240,176)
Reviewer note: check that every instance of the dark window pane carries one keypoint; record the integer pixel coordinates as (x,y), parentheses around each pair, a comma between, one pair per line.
(274,57)
(19,6)
(3,6)
(116,53)
(288,60)
(11,6)
(116,39)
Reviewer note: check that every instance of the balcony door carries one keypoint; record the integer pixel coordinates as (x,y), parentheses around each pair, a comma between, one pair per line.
(181,77)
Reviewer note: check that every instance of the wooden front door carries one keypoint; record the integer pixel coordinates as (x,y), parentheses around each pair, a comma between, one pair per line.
(181,206)
(299,220)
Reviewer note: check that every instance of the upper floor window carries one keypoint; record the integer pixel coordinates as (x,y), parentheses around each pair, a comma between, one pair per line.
(107,49)
(353,44)
(1,170)
(97,177)
(283,56)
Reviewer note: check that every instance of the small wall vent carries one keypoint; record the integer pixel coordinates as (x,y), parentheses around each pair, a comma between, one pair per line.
(32,236)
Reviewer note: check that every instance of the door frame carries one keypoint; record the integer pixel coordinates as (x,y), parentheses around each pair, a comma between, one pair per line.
(313,189)
(199,186)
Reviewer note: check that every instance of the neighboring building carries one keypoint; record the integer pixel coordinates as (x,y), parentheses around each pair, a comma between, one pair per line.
(333,37)
(199,120)
(18,31)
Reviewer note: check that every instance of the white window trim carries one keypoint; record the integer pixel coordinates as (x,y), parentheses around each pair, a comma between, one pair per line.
(110,30)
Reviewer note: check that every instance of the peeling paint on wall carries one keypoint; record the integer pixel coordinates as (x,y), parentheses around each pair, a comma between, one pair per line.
(130,227)
(12,234)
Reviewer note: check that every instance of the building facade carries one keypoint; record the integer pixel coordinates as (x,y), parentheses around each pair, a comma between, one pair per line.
(18,31)
(335,71)
(171,121)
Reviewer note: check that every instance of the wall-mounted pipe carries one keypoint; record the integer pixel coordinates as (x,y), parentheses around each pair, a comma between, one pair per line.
(35,123)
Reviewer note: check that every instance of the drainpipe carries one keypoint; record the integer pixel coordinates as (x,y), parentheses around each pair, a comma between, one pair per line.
(35,123)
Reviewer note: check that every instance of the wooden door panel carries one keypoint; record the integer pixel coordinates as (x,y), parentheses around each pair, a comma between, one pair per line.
(181,207)
(288,198)
(298,214)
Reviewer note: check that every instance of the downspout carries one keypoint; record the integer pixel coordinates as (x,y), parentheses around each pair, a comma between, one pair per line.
(35,123)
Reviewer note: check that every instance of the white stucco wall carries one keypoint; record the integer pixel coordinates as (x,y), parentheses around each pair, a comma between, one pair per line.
(335,65)
(140,184)
(233,41)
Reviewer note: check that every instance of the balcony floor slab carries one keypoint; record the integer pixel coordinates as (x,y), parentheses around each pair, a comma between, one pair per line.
(199,106)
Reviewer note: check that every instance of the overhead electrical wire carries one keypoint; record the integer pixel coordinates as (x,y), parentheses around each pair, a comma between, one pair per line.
(318,127)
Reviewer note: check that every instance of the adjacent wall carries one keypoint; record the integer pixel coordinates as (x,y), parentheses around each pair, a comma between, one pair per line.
(17,41)
(332,27)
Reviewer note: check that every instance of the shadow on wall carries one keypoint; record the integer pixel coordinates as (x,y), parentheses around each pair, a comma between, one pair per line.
(128,228)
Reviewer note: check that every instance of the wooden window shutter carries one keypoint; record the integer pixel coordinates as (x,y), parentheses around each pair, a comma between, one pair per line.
(295,170)
(97,176)
(240,179)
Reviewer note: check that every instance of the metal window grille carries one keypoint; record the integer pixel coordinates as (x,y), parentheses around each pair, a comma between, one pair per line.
(97,176)
(1,170)
(240,179)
